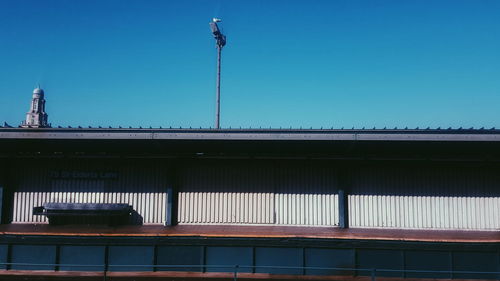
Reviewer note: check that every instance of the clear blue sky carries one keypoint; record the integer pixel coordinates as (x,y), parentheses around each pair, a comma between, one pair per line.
(287,63)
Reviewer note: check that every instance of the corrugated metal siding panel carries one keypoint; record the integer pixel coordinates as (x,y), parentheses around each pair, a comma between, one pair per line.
(258,208)
(222,193)
(426,180)
(142,184)
(151,206)
(238,176)
(258,192)
(307,209)
(306,194)
(226,207)
(430,196)
(424,212)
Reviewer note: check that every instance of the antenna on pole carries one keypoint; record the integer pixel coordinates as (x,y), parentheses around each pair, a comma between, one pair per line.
(220,40)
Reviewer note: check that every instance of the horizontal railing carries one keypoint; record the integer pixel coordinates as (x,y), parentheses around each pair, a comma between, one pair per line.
(373,273)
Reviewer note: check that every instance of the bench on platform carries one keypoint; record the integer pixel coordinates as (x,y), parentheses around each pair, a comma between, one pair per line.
(54,211)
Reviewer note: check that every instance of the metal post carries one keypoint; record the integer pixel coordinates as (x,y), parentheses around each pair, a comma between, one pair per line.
(374,273)
(217,98)
(106,263)
(343,209)
(235,273)
(169,208)
(220,41)
(1,204)
(57,263)
(172,194)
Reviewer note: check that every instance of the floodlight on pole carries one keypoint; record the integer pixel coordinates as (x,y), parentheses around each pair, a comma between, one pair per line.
(220,40)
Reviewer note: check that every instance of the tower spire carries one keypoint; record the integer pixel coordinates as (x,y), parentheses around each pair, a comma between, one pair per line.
(36,117)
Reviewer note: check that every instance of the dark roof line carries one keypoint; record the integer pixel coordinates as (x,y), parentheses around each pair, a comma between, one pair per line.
(250,129)
(481,135)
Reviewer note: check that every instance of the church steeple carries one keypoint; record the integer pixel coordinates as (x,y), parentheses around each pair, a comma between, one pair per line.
(36,116)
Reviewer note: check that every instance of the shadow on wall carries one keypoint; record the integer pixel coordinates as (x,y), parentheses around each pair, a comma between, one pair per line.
(326,177)
(135,218)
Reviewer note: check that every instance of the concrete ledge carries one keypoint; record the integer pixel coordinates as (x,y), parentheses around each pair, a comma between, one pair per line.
(255,231)
(173,275)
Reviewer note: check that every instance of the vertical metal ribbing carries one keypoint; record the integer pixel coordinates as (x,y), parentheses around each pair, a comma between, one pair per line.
(255,194)
(424,212)
(141,189)
(422,197)
(225,207)
(146,204)
(258,208)
(306,209)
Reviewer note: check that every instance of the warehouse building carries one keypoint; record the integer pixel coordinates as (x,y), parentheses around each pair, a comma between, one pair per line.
(282,204)
(182,204)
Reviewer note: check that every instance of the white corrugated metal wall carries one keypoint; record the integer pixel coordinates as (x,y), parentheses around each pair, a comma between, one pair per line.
(420,197)
(142,185)
(421,212)
(244,192)
(226,207)
(307,209)
(150,206)
(253,193)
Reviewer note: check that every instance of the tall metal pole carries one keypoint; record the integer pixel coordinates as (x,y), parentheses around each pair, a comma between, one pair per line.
(220,40)
(217,97)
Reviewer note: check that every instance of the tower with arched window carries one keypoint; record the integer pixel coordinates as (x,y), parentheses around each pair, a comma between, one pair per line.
(36,117)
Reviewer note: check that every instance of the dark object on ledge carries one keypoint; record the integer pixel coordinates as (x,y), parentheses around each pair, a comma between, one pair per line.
(56,212)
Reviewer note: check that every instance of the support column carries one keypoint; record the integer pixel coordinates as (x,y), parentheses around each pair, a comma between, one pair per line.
(343,209)
(7,187)
(344,188)
(3,180)
(169,208)
(1,203)
(172,198)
